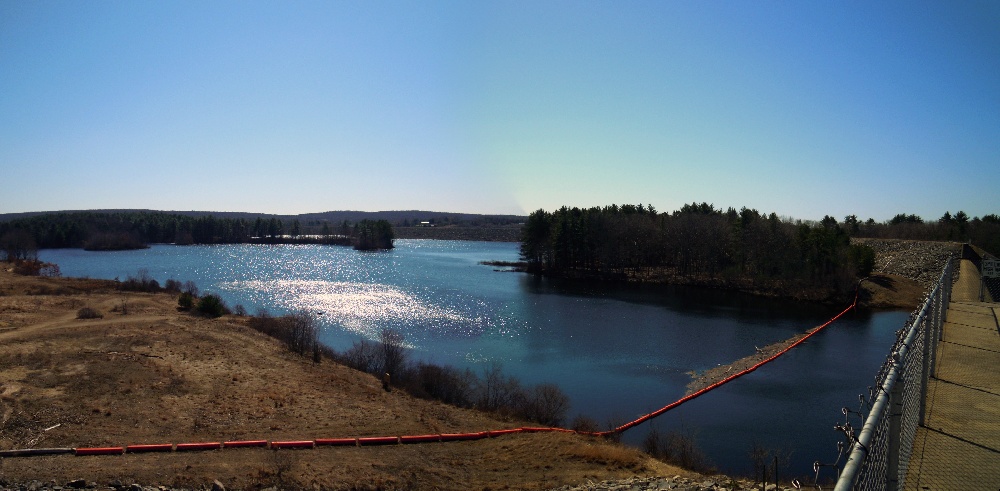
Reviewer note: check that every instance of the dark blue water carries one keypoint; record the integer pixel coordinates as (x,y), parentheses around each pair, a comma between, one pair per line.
(617,351)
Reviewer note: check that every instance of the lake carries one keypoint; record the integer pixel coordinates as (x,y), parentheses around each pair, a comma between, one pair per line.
(618,351)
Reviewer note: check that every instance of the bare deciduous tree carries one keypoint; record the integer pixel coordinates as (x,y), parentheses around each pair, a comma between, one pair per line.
(393,351)
(18,245)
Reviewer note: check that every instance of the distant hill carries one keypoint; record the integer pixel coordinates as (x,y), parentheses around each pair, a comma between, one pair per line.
(412,217)
(398,218)
(6,217)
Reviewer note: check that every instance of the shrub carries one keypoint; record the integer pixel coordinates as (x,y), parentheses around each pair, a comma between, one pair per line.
(190,287)
(302,333)
(88,313)
(544,403)
(362,356)
(122,307)
(676,448)
(393,351)
(50,270)
(36,268)
(297,331)
(446,384)
(497,392)
(141,283)
(212,305)
(585,424)
(185,301)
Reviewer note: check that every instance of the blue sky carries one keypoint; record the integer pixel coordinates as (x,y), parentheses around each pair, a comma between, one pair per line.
(800,108)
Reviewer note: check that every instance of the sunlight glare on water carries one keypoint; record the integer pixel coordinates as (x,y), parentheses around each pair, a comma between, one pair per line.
(363,308)
(354,294)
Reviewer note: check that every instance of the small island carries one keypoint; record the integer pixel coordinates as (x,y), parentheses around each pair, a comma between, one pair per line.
(372,235)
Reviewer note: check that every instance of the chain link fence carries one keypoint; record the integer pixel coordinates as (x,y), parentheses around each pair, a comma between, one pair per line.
(878,436)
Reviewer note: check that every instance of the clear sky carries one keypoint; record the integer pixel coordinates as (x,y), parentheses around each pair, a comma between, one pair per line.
(799,108)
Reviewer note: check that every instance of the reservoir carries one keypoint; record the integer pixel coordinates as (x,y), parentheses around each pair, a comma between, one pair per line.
(617,351)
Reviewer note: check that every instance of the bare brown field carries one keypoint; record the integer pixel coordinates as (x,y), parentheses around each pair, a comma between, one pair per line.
(145,373)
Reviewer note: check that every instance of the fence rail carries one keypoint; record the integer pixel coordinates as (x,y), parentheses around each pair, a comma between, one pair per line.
(879,454)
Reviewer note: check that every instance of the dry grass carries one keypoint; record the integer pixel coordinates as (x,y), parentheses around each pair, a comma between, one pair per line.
(611,455)
(891,291)
(160,376)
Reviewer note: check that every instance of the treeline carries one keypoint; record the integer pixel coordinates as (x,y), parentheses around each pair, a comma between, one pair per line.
(702,244)
(980,231)
(130,230)
(698,243)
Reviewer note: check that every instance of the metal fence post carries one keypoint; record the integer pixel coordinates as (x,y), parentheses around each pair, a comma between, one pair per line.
(895,420)
(928,357)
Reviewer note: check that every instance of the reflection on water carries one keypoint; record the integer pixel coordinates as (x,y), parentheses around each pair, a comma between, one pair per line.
(618,351)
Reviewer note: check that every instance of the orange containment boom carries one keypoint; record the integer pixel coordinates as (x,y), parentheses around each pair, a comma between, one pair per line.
(158,447)
(189,447)
(337,442)
(99,451)
(293,444)
(378,440)
(455,437)
(245,444)
(419,438)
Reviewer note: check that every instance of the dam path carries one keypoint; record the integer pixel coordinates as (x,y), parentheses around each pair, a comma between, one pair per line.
(958,446)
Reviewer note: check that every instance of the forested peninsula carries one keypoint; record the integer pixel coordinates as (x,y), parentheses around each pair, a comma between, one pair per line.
(743,250)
